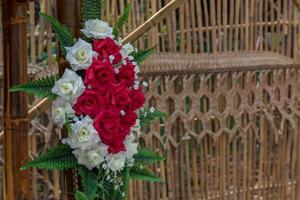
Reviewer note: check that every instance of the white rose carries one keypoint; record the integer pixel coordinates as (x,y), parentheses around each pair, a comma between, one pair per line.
(116,162)
(131,147)
(80,56)
(84,135)
(97,29)
(60,110)
(126,50)
(69,87)
(93,157)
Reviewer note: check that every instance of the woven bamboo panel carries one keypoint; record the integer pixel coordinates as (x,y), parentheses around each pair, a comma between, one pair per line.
(228,135)
(202,26)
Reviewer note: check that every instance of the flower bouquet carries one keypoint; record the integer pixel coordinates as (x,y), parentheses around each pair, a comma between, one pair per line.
(99,100)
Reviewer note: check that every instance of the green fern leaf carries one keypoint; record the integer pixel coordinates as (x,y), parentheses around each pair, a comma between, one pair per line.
(91,9)
(63,33)
(59,157)
(40,87)
(146,116)
(89,181)
(147,156)
(80,196)
(138,173)
(121,21)
(142,55)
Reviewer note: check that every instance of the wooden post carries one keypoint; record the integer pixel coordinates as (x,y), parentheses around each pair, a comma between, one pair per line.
(14,21)
(68,13)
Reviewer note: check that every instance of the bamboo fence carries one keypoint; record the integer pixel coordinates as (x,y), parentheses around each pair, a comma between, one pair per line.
(225,72)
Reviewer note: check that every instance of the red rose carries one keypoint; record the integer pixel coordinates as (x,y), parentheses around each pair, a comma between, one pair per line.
(116,145)
(118,96)
(129,118)
(100,75)
(88,103)
(107,47)
(137,98)
(126,74)
(107,124)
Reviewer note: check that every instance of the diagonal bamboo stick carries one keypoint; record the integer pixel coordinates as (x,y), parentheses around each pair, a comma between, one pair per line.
(297,2)
(151,22)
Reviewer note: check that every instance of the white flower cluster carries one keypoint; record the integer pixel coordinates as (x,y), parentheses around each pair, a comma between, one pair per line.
(84,139)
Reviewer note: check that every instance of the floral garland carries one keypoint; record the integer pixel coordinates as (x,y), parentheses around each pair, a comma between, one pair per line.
(99,100)
(102,104)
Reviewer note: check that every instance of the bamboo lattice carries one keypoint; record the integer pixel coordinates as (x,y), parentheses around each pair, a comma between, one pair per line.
(233,106)
(202,26)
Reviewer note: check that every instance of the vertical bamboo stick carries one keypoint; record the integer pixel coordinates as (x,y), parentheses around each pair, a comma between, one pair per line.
(212,15)
(32,32)
(200,26)
(239,29)
(219,24)
(14,21)
(231,15)
(225,22)
(34,185)
(260,20)
(49,34)
(206,18)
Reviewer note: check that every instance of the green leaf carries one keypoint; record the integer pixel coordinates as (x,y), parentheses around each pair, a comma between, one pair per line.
(40,87)
(147,156)
(123,19)
(91,9)
(59,157)
(144,174)
(142,55)
(80,196)
(63,33)
(146,116)
(89,181)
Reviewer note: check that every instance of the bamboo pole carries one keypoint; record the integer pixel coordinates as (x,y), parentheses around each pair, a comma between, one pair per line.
(14,23)
(154,20)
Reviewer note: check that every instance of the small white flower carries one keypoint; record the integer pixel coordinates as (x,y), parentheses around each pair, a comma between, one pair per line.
(145,84)
(126,50)
(122,112)
(91,158)
(111,58)
(152,110)
(116,162)
(84,135)
(117,70)
(64,141)
(69,87)
(137,82)
(97,29)
(136,87)
(80,56)
(60,111)
(124,62)
(131,147)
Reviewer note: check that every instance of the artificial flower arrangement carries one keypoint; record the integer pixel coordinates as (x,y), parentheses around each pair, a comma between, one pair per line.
(100,102)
